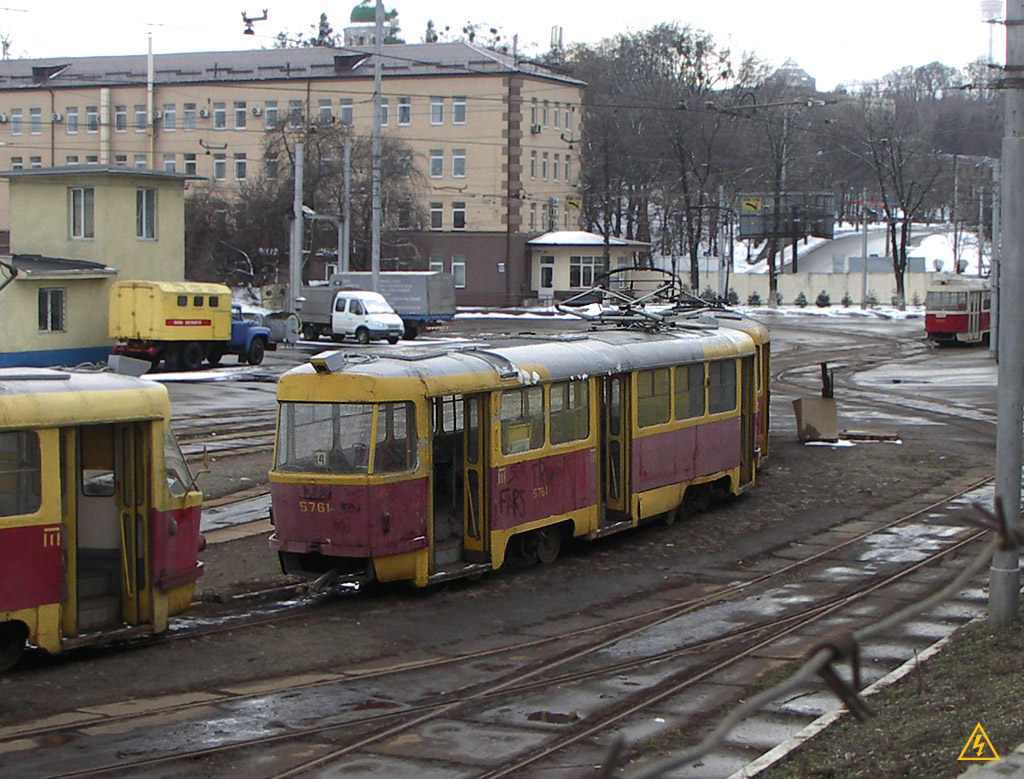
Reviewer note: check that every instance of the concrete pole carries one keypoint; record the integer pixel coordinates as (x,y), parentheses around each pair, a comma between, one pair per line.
(1004,574)
(864,249)
(993,341)
(344,259)
(981,228)
(295,246)
(378,53)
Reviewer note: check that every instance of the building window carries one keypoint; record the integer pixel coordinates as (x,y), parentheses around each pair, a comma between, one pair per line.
(190,164)
(140,161)
(405,164)
(323,114)
(51,310)
(436,216)
(581,270)
(270,114)
(384,112)
(270,166)
(436,263)
(436,163)
(404,111)
(544,115)
(459,271)
(120,118)
(554,167)
(35,121)
(544,166)
(459,109)
(533,164)
(81,205)
(459,163)
(140,118)
(458,216)
(220,116)
(92,159)
(16,163)
(35,162)
(220,167)
(169,163)
(566,116)
(170,117)
(405,216)
(190,117)
(71,119)
(566,168)
(240,115)
(16,121)
(553,214)
(295,113)
(121,160)
(533,111)
(547,271)
(533,216)
(437,110)
(239,166)
(71,160)
(347,117)
(145,213)
(558,110)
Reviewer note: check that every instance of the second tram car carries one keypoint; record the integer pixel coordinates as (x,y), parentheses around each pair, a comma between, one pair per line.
(99,518)
(419,464)
(958,310)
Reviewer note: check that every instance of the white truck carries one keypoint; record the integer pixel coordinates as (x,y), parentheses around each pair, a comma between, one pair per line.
(366,316)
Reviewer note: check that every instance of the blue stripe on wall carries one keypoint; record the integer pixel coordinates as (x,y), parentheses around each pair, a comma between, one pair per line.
(55,357)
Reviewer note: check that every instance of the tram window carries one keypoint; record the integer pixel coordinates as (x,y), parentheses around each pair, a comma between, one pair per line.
(19,473)
(570,411)
(721,386)
(97,458)
(652,397)
(689,391)
(395,447)
(179,478)
(331,437)
(522,420)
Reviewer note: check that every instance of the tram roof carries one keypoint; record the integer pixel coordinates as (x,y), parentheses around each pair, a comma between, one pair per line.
(43,397)
(508,361)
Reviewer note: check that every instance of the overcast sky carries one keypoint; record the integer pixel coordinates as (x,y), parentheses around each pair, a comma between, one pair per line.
(832,41)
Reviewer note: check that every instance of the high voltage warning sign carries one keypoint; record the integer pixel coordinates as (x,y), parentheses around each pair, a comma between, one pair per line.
(978,747)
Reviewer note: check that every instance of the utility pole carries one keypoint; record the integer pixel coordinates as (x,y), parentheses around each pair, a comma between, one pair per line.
(1004,574)
(378,53)
(994,262)
(864,249)
(295,245)
(344,260)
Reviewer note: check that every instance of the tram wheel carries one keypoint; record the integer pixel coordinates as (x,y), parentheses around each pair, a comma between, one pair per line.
(12,643)
(548,543)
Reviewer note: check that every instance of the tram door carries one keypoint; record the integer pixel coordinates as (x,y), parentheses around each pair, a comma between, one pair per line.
(748,428)
(111,534)
(973,316)
(615,449)
(477,540)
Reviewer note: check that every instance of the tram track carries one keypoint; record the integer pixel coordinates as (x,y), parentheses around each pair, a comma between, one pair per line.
(594,640)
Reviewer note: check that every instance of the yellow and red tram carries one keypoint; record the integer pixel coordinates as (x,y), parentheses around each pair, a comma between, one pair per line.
(421,464)
(99,518)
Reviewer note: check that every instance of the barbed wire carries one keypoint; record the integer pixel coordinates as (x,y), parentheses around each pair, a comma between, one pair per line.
(841,647)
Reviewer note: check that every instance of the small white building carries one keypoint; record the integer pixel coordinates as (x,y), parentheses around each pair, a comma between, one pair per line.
(565,262)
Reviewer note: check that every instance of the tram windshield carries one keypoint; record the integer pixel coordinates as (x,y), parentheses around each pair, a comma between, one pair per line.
(946,301)
(340,437)
(179,477)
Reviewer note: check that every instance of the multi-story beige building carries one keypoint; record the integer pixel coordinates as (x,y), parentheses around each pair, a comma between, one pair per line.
(496,139)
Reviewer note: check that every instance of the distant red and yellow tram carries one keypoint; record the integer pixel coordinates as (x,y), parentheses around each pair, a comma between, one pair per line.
(958,310)
(420,464)
(99,520)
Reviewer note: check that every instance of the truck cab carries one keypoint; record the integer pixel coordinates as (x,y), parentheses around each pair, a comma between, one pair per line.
(365,316)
